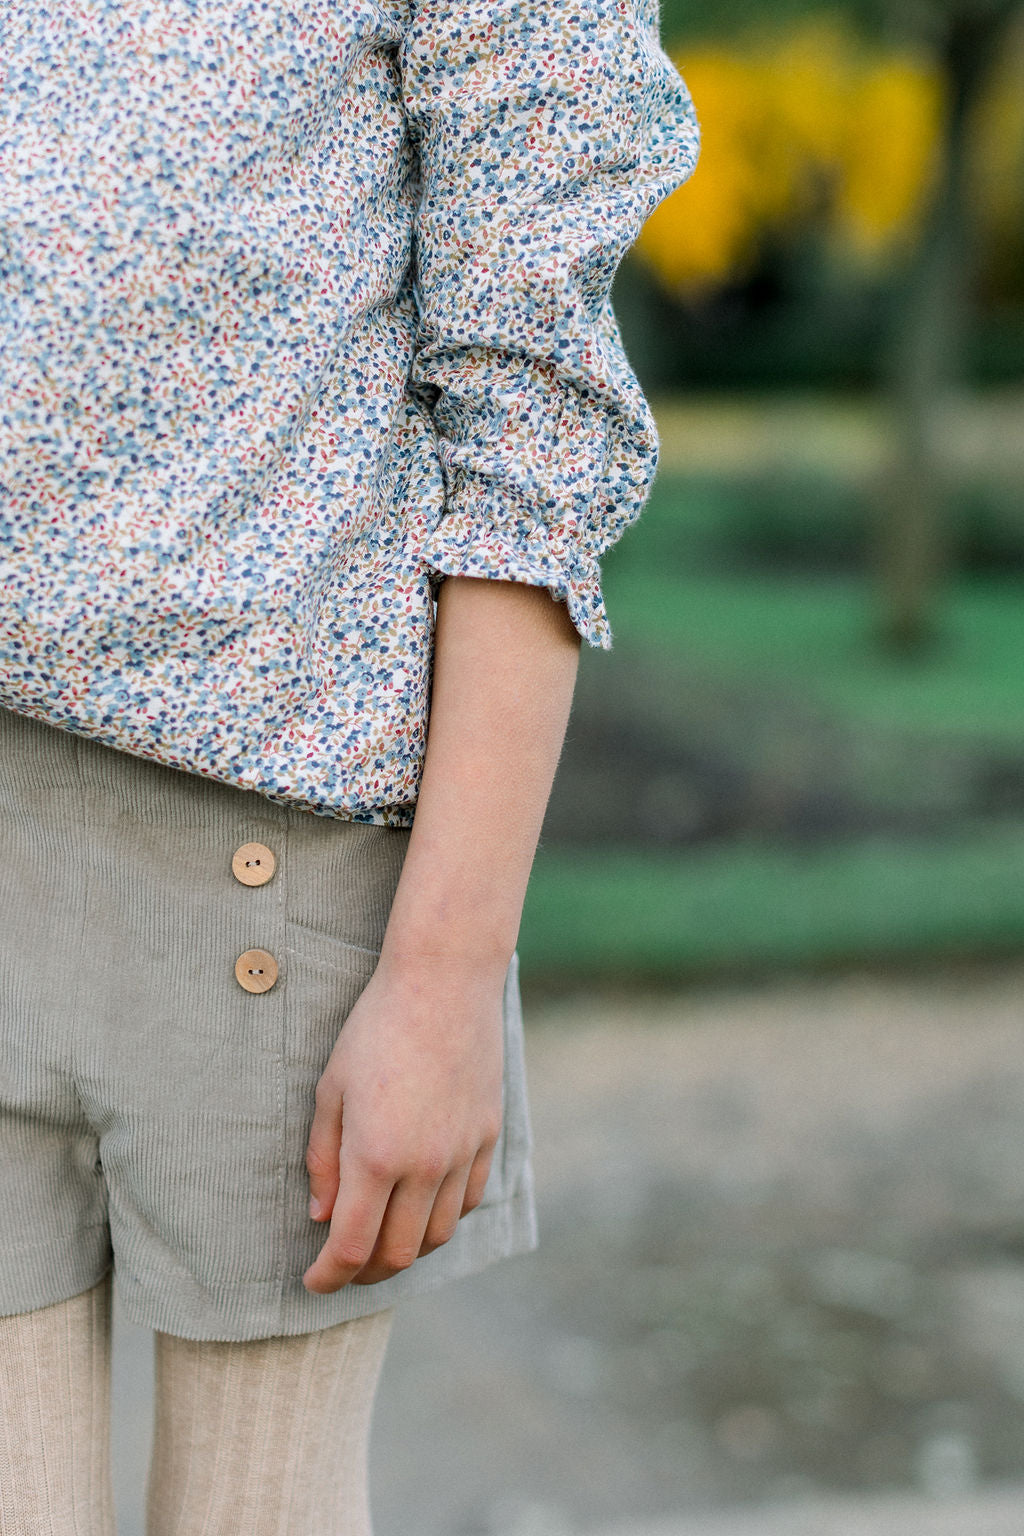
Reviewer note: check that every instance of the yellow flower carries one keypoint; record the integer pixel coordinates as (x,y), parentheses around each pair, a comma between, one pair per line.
(708,227)
(807,128)
(888,156)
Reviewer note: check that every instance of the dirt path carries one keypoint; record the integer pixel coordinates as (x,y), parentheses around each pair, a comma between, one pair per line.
(782,1257)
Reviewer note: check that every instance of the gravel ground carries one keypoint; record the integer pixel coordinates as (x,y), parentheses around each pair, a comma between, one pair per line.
(994,1513)
(780,1287)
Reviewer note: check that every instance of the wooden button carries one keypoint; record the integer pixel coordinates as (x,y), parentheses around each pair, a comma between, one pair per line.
(253,864)
(256,970)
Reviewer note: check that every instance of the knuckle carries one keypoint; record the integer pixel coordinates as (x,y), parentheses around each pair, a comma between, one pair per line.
(349,1256)
(317,1164)
(436,1237)
(431,1166)
(379,1164)
(394,1260)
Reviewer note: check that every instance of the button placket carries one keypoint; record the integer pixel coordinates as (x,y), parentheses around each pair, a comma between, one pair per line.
(253,864)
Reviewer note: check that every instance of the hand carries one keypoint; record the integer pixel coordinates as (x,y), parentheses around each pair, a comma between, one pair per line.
(408,1112)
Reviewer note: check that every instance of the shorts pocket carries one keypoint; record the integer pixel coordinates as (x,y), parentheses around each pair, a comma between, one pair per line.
(325,978)
(326,949)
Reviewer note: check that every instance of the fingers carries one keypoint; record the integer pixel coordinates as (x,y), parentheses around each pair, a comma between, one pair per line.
(420,1219)
(378,1230)
(444,1217)
(355,1227)
(379,1225)
(477,1180)
(401,1233)
(324,1151)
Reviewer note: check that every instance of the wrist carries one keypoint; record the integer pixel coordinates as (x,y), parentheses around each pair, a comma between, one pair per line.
(433,959)
(459,920)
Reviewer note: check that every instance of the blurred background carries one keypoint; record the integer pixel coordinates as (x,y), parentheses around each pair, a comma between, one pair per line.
(807,744)
(773,951)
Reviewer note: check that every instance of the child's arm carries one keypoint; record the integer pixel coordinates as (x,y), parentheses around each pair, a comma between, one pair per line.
(416,1073)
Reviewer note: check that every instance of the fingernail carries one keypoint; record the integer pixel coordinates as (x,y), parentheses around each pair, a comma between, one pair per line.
(315,1208)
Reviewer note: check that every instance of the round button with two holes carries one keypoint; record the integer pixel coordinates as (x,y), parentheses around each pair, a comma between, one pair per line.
(256,970)
(253,864)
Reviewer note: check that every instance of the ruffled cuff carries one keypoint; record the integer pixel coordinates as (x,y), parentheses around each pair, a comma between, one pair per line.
(466,542)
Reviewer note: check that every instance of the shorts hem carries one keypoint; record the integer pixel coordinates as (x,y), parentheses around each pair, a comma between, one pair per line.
(51,1272)
(178,1304)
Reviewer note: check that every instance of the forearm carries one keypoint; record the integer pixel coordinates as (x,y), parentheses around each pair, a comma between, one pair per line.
(504,669)
(408,1108)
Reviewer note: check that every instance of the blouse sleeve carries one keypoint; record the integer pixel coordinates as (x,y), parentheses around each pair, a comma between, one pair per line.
(548,130)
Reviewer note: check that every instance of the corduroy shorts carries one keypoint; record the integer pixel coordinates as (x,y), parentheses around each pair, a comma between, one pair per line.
(153,1113)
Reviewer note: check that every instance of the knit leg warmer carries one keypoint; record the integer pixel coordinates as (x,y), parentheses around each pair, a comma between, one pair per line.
(268,1437)
(55,1418)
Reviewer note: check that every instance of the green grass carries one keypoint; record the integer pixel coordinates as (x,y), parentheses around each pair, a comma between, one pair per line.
(750,907)
(814,637)
(681,589)
(688,582)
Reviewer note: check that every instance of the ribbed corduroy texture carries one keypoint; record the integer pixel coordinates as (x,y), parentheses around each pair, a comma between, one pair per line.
(55,1419)
(147,1102)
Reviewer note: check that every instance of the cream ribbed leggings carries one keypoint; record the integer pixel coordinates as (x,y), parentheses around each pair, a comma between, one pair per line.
(267,1437)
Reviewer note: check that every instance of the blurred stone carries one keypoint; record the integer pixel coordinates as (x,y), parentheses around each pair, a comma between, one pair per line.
(862,1282)
(946,1465)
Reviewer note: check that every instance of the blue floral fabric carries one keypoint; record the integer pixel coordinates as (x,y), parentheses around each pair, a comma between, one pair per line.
(302,308)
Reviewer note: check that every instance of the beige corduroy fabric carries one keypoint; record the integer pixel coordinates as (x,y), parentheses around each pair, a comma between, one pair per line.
(153,1111)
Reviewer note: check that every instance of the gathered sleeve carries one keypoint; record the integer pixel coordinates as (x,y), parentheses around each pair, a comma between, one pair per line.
(547,132)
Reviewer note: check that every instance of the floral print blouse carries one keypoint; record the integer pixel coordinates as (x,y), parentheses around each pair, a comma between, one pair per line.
(304,306)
